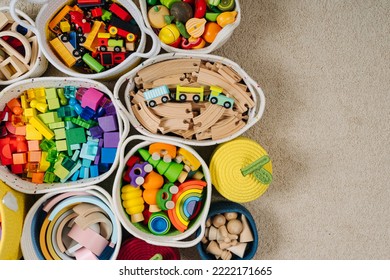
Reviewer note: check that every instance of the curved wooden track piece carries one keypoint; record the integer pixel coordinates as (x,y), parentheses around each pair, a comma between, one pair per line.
(226,127)
(147,119)
(174,110)
(168,68)
(208,118)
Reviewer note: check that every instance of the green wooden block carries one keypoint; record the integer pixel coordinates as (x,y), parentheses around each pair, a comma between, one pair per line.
(49,117)
(61,146)
(51,93)
(75,136)
(53,104)
(56,125)
(60,133)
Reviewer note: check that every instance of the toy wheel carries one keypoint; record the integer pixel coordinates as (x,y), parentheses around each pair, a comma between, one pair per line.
(65,38)
(82,39)
(164,99)
(76,53)
(117,49)
(227,105)
(182,97)
(213,100)
(113,30)
(196,98)
(152,103)
(103,48)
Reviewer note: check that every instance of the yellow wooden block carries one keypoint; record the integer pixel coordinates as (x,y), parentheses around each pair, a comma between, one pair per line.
(64,26)
(30,112)
(43,163)
(42,128)
(32,133)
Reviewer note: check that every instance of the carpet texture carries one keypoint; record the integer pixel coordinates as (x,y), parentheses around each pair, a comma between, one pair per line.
(324,68)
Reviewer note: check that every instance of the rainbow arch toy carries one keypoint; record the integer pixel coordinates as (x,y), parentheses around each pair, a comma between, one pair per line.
(188,201)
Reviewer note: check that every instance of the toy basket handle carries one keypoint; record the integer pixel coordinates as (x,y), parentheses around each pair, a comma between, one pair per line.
(260,102)
(14,13)
(155,49)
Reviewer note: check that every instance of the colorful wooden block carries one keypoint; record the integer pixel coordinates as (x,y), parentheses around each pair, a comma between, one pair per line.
(37,177)
(19,158)
(91,98)
(33,145)
(32,133)
(108,155)
(111,139)
(41,127)
(61,145)
(34,156)
(59,133)
(76,136)
(108,123)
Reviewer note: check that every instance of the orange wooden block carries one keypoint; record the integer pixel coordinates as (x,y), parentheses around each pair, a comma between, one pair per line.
(19,158)
(34,156)
(37,177)
(14,102)
(33,145)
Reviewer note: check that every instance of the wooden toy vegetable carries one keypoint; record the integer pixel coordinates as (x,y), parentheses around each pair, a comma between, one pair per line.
(187,44)
(226,18)
(226,5)
(211,31)
(169,3)
(200,8)
(152,2)
(213,2)
(212,16)
(182,29)
(195,27)
(156,16)
(169,34)
(181,11)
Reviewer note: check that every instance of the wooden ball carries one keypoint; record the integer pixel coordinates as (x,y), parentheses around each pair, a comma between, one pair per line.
(234,227)
(219,220)
(231,215)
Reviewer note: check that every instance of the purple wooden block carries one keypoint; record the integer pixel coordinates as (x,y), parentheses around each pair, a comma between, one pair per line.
(96,131)
(100,146)
(108,123)
(91,98)
(111,139)
(110,109)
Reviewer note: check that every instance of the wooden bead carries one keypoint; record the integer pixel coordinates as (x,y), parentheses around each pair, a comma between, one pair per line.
(230,215)
(234,227)
(219,220)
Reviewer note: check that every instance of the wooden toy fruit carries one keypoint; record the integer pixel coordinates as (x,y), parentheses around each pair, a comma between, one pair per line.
(196,26)
(169,34)
(226,18)
(156,16)
(226,5)
(181,11)
(211,31)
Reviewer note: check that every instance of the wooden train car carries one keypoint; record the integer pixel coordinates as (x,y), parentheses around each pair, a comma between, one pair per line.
(157,94)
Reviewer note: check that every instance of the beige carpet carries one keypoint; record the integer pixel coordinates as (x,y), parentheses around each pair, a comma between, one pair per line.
(324,67)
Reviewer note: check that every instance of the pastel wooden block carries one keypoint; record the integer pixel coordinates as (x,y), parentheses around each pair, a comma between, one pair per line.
(41,127)
(32,133)
(19,158)
(49,117)
(20,130)
(60,133)
(34,156)
(5,19)
(33,145)
(12,68)
(51,93)
(56,125)
(53,104)
(61,145)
